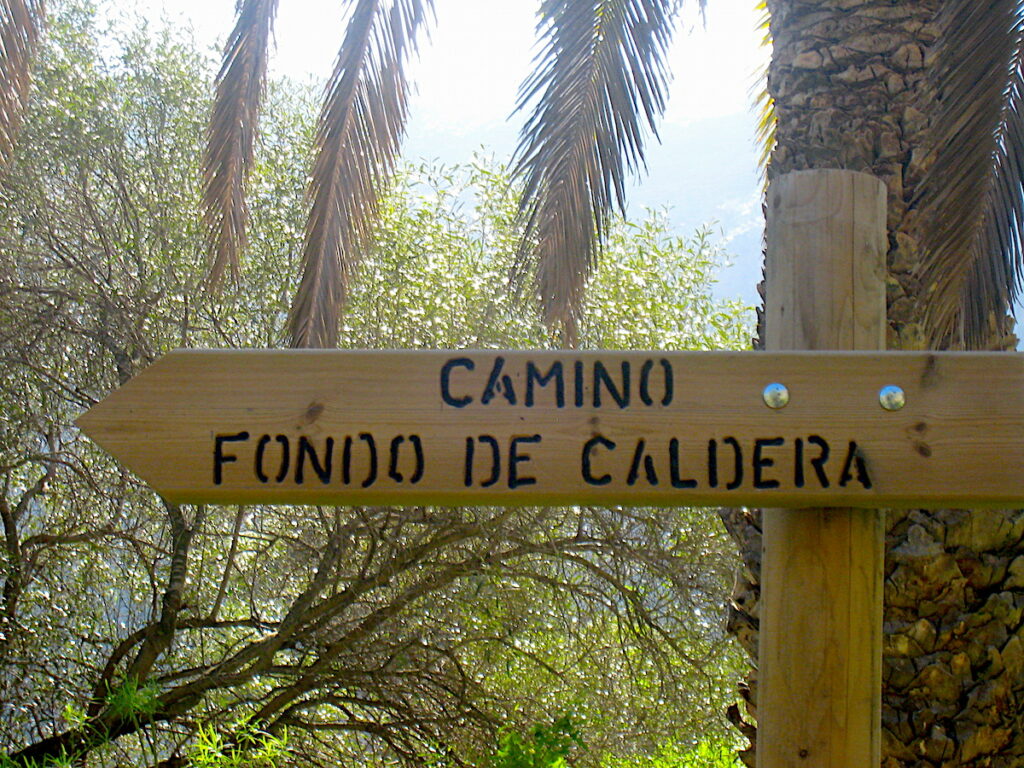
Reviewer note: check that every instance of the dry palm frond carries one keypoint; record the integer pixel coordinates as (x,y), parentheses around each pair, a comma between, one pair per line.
(21,23)
(600,77)
(231,138)
(972,200)
(358,138)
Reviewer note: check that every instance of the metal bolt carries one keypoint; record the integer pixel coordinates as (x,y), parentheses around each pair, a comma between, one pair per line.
(776,395)
(892,398)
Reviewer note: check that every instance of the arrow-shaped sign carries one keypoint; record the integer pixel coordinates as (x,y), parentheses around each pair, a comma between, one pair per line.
(512,428)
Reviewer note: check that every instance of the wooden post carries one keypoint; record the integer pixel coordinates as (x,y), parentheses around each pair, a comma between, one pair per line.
(819,676)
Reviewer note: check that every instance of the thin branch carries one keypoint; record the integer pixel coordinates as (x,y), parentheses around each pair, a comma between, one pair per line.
(159,638)
(229,565)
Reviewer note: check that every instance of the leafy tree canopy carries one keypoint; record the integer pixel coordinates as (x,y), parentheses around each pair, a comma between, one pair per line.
(141,633)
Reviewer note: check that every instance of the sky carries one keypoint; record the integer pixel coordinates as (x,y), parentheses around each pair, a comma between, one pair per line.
(479,51)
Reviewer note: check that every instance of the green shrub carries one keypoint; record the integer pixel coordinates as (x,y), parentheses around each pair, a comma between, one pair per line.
(544,747)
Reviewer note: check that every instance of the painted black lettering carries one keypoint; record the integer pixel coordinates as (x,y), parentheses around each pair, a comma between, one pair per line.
(586,465)
(515,459)
(640,454)
(323,471)
(508,389)
(577,369)
(819,462)
(761,461)
(417,447)
(737,477)
(467,473)
(666,366)
(498,384)
(620,396)
(286,458)
(393,472)
(495,460)
(798,463)
(645,382)
(282,468)
(220,458)
(446,372)
(260,447)
(713,463)
(371,444)
(533,374)
(854,459)
(346,461)
(673,466)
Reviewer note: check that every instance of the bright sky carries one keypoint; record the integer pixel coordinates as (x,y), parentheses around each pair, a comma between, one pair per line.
(480,50)
(478,53)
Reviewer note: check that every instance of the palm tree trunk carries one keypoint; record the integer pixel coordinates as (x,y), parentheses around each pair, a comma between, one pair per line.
(847,80)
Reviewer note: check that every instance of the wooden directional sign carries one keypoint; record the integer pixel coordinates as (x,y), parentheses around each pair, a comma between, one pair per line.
(511,428)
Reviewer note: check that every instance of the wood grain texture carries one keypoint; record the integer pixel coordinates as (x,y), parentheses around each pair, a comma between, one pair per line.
(820,643)
(960,437)
(825,271)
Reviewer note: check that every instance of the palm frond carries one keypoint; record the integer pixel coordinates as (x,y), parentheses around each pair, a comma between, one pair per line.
(21,23)
(971,204)
(764,134)
(600,79)
(232,133)
(361,127)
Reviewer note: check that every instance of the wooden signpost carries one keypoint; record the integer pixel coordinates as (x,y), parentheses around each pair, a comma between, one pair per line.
(823,432)
(819,699)
(518,428)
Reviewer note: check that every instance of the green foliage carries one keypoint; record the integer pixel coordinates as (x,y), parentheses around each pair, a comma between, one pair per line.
(74,716)
(543,747)
(713,753)
(710,755)
(445,249)
(552,746)
(438,627)
(248,747)
(49,762)
(654,292)
(133,701)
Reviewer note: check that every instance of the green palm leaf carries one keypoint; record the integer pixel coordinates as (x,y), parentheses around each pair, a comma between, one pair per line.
(972,200)
(231,137)
(361,127)
(764,134)
(21,23)
(600,83)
